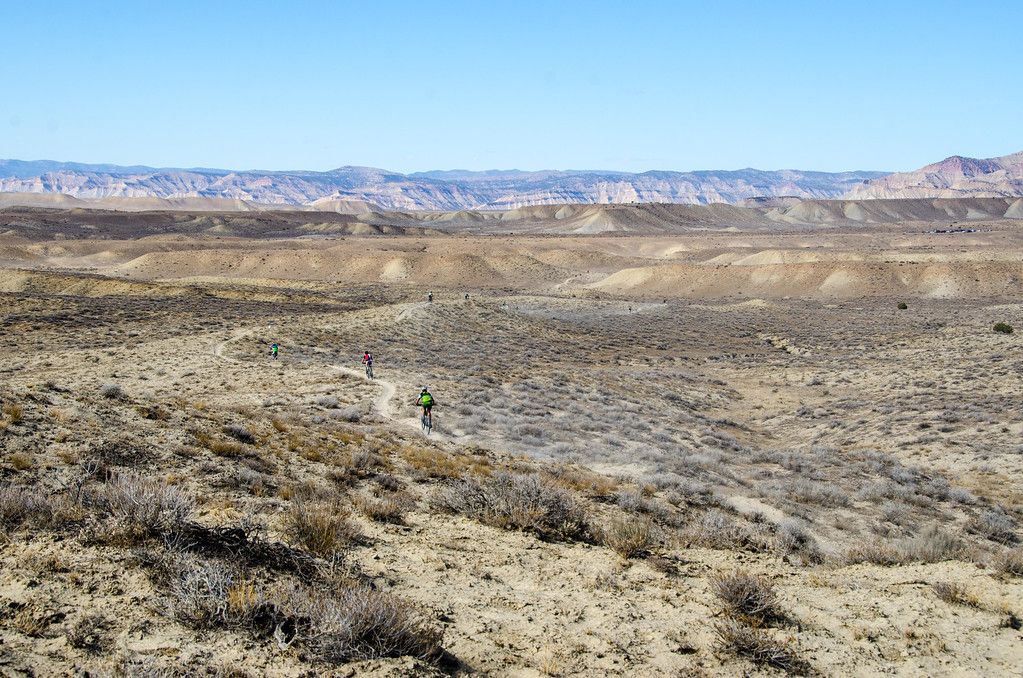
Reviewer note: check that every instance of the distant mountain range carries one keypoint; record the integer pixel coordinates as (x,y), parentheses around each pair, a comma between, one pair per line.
(438,190)
(454,190)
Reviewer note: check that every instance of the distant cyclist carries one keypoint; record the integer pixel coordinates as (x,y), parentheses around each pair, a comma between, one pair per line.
(274,350)
(367,360)
(429,297)
(426,401)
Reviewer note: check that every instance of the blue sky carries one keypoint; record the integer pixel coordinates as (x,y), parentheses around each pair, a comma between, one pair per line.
(530,85)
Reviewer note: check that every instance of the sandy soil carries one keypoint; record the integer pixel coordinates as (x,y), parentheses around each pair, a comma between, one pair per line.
(722,402)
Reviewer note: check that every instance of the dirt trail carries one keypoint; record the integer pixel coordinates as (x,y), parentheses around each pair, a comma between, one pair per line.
(381,404)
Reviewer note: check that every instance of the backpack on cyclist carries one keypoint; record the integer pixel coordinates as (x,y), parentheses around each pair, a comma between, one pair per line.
(426,399)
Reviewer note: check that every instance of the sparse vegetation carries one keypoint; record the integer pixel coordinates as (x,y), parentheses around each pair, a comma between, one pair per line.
(518,502)
(629,536)
(954,594)
(322,529)
(746,596)
(755,644)
(1003,328)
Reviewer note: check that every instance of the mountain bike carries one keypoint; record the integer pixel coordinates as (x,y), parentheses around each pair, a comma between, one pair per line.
(427,422)
(369,370)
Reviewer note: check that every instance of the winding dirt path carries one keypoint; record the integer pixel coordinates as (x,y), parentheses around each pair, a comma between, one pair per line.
(381,403)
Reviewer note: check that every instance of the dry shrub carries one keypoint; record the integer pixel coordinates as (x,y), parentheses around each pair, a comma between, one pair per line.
(198,596)
(748,597)
(32,619)
(629,536)
(362,623)
(1011,562)
(90,633)
(793,537)
(583,481)
(874,552)
(517,502)
(387,509)
(14,412)
(431,463)
(337,624)
(20,505)
(995,525)
(933,545)
(132,501)
(112,391)
(954,594)
(240,433)
(323,529)
(21,461)
(279,424)
(755,644)
(715,529)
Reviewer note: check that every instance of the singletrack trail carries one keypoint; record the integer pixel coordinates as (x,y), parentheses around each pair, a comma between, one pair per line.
(381,404)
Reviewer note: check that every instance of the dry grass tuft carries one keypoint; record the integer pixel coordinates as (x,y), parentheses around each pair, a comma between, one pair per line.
(748,597)
(90,634)
(13,412)
(21,461)
(755,644)
(954,594)
(387,509)
(134,502)
(518,502)
(323,529)
(1011,562)
(628,536)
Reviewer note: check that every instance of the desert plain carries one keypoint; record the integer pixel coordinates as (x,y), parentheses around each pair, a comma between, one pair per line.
(717,443)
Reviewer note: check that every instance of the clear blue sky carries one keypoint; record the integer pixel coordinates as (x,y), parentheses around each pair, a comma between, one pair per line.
(530,85)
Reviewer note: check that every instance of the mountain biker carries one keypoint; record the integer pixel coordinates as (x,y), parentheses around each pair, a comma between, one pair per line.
(274,349)
(429,297)
(367,360)
(426,401)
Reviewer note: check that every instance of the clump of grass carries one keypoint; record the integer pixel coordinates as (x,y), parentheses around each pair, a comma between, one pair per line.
(748,597)
(903,306)
(1011,562)
(323,529)
(431,463)
(518,502)
(112,391)
(20,505)
(995,525)
(32,619)
(1003,328)
(240,433)
(715,529)
(629,536)
(362,623)
(755,644)
(954,594)
(14,412)
(136,503)
(90,633)
(21,461)
(387,509)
